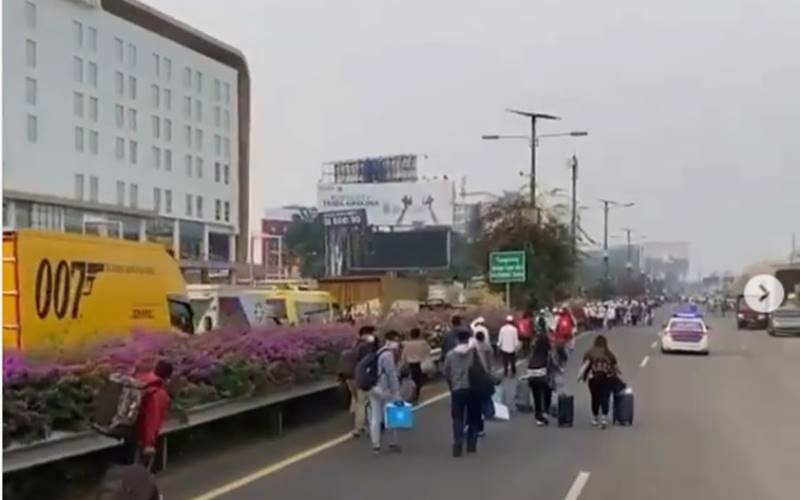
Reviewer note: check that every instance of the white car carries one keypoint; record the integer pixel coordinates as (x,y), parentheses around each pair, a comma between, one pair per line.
(685,333)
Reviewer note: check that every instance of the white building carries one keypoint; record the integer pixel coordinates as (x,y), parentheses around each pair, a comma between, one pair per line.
(121,120)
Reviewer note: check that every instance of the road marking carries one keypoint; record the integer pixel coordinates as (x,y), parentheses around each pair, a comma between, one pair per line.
(299,457)
(644,362)
(654,344)
(577,486)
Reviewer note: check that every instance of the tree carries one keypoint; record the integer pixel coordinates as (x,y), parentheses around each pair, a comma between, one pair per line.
(305,242)
(511,225)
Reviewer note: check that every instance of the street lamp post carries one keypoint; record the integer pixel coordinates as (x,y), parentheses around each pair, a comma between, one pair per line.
(607,205)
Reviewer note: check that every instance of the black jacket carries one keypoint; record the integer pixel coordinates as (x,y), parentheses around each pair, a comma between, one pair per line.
(540,355)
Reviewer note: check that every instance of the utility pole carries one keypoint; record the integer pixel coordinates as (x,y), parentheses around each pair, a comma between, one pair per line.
(794,248)
(533,117)
(605,239)
(574,228)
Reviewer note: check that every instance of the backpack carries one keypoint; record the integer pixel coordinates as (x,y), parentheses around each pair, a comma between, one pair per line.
(366,373)
(117,406)
(347,363)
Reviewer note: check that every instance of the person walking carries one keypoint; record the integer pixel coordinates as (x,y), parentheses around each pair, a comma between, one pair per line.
(539,377)
(485,354)
(600,369)
(525,327)
(450,339)
(563,334)
(465,405)
(416,351)
(508,343)
(365,345)
(153,411)
(386,390)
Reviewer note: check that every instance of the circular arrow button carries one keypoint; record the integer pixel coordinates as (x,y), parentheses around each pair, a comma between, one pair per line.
(764,293)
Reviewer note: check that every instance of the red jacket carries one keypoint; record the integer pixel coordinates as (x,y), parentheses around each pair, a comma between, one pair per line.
(525,327)
(153,412)
(564,326)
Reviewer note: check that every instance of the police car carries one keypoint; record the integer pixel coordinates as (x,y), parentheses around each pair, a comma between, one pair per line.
(685,332)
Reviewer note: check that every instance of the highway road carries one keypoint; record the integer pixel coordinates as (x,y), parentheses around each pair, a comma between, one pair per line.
(718,427)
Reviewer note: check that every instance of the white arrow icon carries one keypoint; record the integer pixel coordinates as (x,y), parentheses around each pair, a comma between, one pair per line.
(764,293)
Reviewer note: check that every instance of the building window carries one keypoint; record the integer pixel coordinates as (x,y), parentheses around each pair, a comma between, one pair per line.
(119,83)
(30,53)
(156,127)
(217,145)
(167,129)
(198,139)
(189,205)
(156,95)
(187,107)
(77,104)
(199,167)
(217,89)
(118,50)
(199,82)
(119,115)
(187,135)
(94,141)
(168,99)
(157,199)
(198,110)
(187,162)
(168,68)
(119,148)
(30,91)
(227,120)
(227,147)
(33,128)
(132,119)
(134,195)
(93,105)
(217,116)
(131,55)
(227,93)
(132,86)
(227,172)
(77,69)
(156,64)
(92,32)
(79,139)
(94,188)
(168,201)
(92,67)
(134,147)
(168,160)
(217,172)
(199,206)
(77,34)
(156,157)
(187,78)
(30,15)
(217,210)
(79,187)
(227,211)
(120,193)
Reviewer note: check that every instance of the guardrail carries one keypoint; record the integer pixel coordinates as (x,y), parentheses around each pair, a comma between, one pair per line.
(62,446)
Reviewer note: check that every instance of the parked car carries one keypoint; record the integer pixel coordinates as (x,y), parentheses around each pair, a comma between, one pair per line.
(748,318)
(785,320)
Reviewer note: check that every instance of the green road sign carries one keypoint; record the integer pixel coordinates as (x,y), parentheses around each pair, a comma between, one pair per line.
(507,267)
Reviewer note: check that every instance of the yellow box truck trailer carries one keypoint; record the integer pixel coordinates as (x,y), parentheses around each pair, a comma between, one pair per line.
(64,290)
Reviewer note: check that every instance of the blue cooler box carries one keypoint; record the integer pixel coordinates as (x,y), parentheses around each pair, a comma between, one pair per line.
(399,416)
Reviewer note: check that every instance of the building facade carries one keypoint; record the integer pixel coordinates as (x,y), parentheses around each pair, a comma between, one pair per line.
(124,122)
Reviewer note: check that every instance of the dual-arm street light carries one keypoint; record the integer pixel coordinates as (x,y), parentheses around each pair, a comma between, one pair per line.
(607,206)
(532,141)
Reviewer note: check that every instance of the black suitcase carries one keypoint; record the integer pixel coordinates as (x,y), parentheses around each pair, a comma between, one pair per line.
(566,410)
(623,407)
(522,397)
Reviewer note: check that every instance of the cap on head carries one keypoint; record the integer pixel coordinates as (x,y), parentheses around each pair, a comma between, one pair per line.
(509,319)
(480,320)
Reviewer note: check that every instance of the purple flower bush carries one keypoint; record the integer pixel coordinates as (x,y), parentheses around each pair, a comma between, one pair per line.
(44,394)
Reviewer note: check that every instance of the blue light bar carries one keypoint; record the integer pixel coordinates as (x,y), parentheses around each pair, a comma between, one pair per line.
(687,315)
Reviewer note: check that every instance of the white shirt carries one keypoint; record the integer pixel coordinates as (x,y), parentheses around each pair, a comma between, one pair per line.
(508,338)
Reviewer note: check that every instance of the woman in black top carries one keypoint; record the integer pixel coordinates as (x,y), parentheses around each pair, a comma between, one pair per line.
(539,374)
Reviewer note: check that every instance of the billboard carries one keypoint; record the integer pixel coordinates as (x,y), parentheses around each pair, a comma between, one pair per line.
(403,250)
(395,168)
(425,203)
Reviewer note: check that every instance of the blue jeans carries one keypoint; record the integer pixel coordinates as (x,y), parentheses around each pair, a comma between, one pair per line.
(465,409)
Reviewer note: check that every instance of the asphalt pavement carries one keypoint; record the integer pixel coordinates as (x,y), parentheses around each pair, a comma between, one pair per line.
(723,426)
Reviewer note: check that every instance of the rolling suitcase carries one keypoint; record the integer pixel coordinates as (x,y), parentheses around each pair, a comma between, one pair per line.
(566,410)
(522,397)
(623,407)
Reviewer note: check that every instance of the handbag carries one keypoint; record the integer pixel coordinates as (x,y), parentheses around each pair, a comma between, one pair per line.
(479,379)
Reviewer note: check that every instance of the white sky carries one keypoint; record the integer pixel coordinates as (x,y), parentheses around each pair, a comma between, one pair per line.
(693,106)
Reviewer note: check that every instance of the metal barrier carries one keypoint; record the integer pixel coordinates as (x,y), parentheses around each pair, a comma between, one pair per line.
(68,445)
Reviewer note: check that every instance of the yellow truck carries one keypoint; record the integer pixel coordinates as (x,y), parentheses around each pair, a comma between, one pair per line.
(64,290)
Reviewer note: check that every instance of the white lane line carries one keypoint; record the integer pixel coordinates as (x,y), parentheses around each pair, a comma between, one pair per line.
(654,344)
(577,486)
(644,362)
